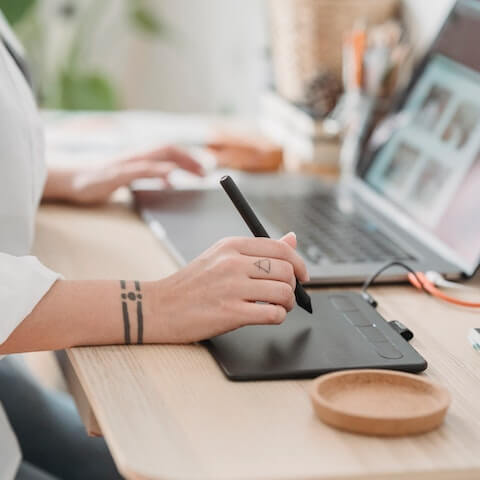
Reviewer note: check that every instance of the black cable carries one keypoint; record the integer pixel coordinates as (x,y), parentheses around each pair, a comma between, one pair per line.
(395,263)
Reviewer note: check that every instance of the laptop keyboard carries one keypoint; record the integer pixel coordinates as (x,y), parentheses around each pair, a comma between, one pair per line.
(327,235)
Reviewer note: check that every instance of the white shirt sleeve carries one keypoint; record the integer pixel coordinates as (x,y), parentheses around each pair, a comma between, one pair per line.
(23,283)
(23,279)
(10,450)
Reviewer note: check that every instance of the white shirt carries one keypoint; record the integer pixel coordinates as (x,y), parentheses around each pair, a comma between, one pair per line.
(23,279)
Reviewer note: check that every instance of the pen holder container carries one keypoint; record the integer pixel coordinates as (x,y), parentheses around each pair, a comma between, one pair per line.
(307,37)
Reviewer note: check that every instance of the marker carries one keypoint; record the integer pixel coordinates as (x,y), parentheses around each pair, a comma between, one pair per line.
(258,230)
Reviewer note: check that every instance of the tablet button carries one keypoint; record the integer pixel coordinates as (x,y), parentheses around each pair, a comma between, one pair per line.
(387,350)
(373,334)
(342,303)
(358,319)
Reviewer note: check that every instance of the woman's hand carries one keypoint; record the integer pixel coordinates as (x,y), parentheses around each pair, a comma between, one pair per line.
(88,186)
(220,290)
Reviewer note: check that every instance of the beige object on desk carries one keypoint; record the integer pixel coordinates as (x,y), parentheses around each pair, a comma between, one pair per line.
(251,153)
(380,402)
(167,412)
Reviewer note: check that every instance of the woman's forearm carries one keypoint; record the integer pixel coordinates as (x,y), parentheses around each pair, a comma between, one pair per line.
(75,313)
(236,282)
(59,185)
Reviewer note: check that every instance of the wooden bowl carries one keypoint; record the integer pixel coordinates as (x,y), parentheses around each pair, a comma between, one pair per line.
(379,402)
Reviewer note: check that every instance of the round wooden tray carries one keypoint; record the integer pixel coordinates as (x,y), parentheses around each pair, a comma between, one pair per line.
(379,402)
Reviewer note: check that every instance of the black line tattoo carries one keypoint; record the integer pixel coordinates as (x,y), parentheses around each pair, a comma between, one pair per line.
(126,319)
(264,265)
(134,297)
(140,322)
(138,297)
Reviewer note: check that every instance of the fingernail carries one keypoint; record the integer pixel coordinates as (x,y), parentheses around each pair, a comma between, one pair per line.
(307,276)
(292,233)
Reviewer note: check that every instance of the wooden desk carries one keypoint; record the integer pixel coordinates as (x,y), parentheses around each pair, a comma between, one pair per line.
(167,412)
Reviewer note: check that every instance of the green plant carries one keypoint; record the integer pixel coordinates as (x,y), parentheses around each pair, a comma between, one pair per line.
(15,10)
(73,86)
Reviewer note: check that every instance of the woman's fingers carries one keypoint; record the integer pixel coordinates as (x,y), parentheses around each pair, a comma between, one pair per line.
(184,161)
(261,314)
(290,239)
(172,155)
(270,269)
(270,291)
(268,248)
(127,173)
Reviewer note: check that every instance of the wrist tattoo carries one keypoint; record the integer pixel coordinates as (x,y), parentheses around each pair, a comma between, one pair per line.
(127,298)
(263,265)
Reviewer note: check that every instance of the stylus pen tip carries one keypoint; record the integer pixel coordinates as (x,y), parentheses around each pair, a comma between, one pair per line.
(303,298)
(308,306)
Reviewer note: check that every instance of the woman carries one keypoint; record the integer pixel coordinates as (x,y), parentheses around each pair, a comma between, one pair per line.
(215,293)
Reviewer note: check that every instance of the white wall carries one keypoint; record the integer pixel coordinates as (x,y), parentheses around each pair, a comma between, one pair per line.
(215,60)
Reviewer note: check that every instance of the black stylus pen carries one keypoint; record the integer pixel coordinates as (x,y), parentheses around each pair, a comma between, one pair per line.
(258,230)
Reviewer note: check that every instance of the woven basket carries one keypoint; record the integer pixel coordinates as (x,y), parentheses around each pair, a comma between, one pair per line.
(307,36)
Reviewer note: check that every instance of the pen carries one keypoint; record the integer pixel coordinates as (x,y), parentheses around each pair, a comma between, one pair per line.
(258,230)
(358,43)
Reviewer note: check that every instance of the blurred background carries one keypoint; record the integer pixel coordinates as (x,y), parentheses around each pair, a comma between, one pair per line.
(284,64)
(210,56)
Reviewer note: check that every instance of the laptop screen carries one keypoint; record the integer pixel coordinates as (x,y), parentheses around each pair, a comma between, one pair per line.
(430,165)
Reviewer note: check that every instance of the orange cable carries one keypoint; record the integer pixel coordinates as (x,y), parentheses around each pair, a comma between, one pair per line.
(429,287)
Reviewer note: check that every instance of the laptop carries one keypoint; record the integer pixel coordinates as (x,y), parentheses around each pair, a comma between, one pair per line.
(414,196)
